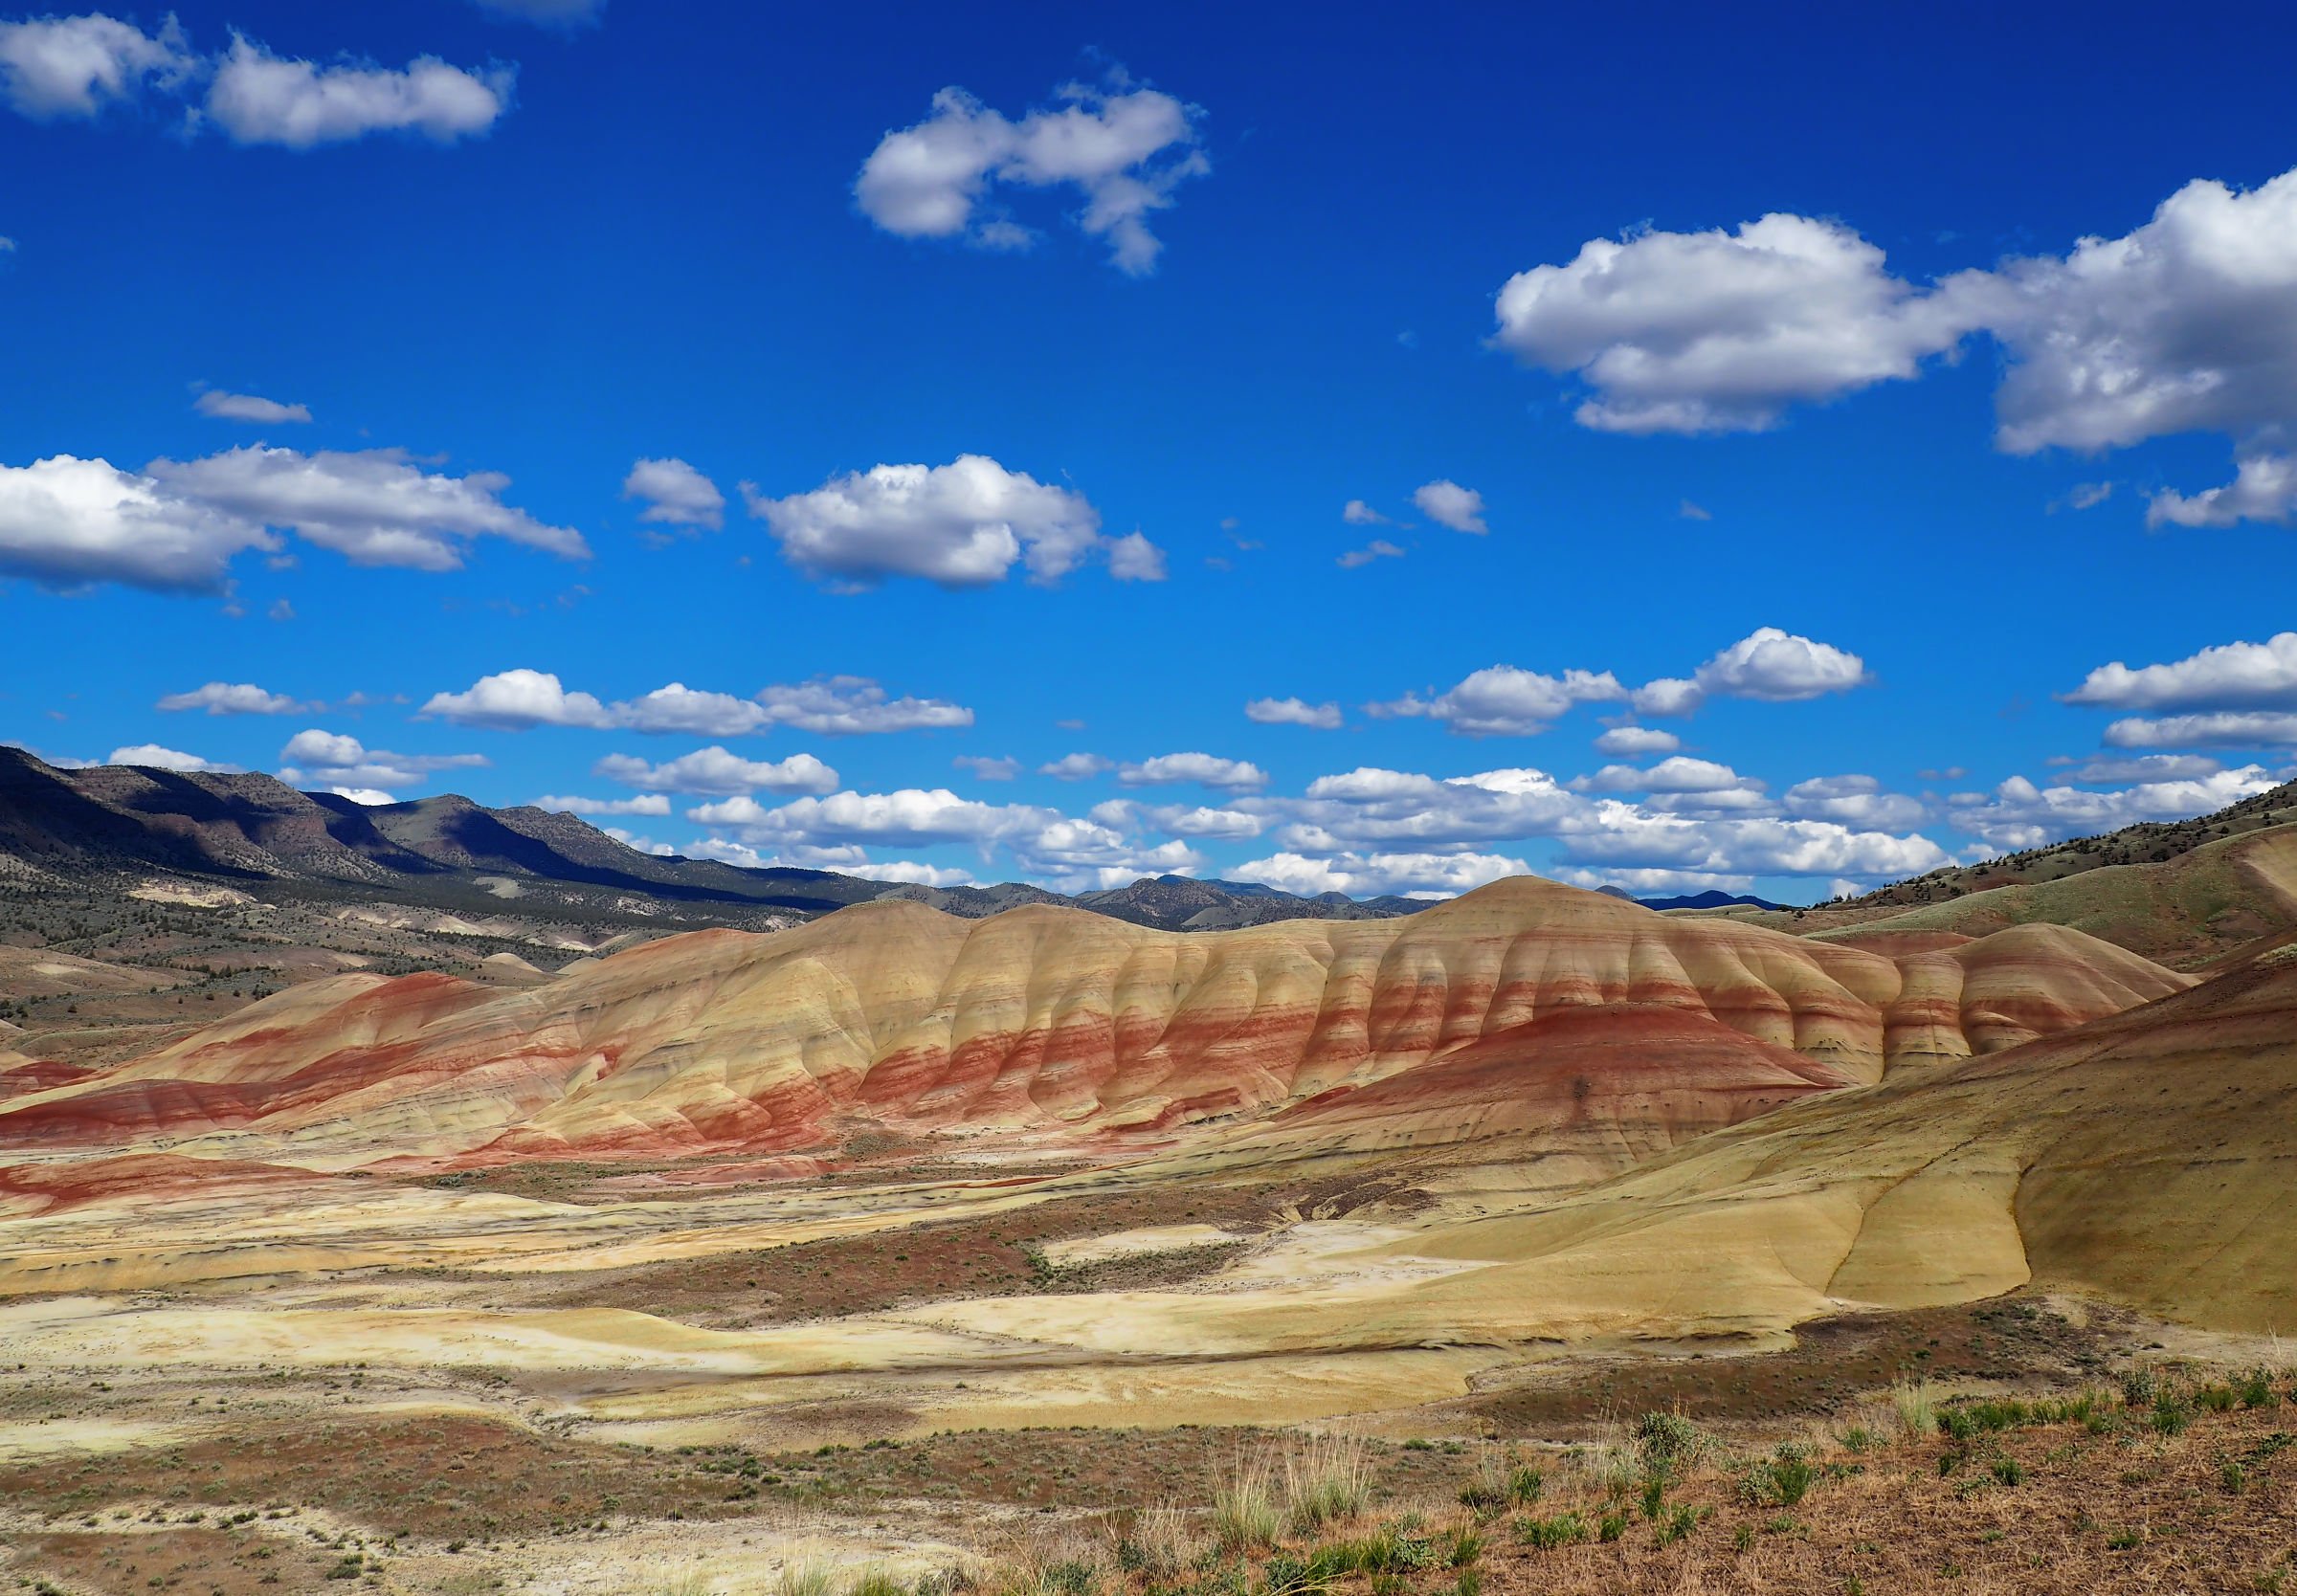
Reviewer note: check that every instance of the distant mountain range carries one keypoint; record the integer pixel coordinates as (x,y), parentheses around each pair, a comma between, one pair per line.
(1709,900)
(252,832)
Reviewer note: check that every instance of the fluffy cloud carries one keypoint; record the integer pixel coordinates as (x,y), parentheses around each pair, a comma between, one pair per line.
(964,524)
(375,507)
(2140,767)
(1704,332)
(2224,729)
(1379,548)
(76,66)
(675,494)
(515,700)
(1679,774)
(66,520)
(152,757)
(645,804)
(2229,676)
(1123,149)
(852,706)
(1375,875)
(2019,814)
(1076,767)
(175,527)
(1447,503)
(1356,513)
(1622,834)
(1855,801)
(317,758)
(1133,558)
(989,769)
(234,697)
(261,98)
(1373,810)
(247,407)
(1199,821)
(1780,667)
(714,771)
(1668,696)
(1293,712)
(1633,742)
(1505,701)
(2263,488)
(2186,323)
(912,817)
(1204,769)
(1041,843)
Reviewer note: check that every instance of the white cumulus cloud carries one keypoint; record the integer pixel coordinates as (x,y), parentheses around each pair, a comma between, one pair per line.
(645,804)
(1507,701)
(675,494)
(75,66)
(2227,675)
(375,507)
(248,407)
(964,524)
(1123,149)
(319,758)
(1204,769)
(714,771)
(1780,667)
(2220,729)
(1293,712)
(234,697)
(1633,742)
(1377,874)
(258,97)
(68,522)
(2019,814)
(1379,548)
(1447,503)
(153,756)
(2188,323)
(517,699)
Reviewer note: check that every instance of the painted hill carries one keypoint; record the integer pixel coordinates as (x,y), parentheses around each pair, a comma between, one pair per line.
(2146,1156)
(2191,910)
(1049,1022)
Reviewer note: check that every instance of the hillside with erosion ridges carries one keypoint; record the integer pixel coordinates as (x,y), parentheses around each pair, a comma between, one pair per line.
(2212,902)
(1049,1023)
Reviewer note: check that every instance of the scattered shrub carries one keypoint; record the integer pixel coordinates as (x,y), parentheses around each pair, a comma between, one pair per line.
(1245,1516)
(1678,1524)
(1564,1529)
(1331,1479)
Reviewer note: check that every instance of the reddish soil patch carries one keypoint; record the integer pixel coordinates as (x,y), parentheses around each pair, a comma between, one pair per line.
(1835,1363)
(440,1478)
(935,1260)
(231,1561)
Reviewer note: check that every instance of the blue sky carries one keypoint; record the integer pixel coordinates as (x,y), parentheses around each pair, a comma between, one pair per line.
(1129,320)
